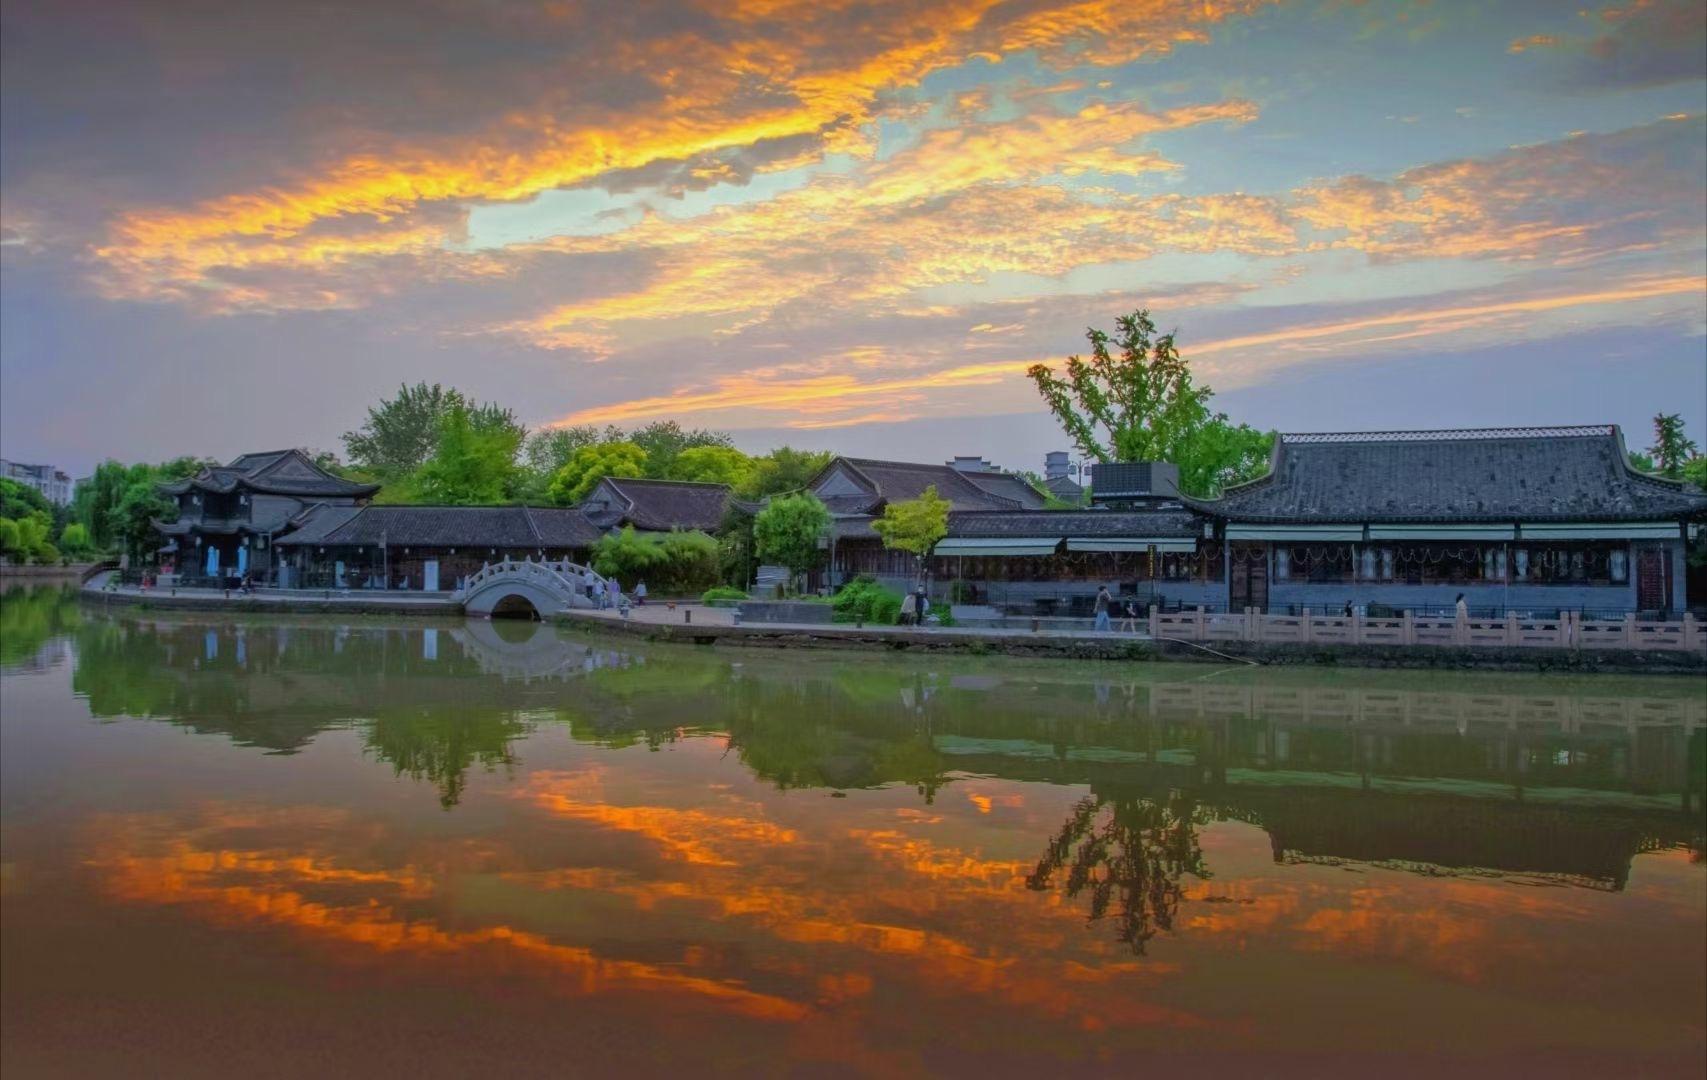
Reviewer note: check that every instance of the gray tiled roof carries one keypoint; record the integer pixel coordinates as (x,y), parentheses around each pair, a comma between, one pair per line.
(853,527)
(274,472)
(1064,489)
(1008,486)
(513,527)
(898,481)
(662,505)
(1505,474)
(1059,523)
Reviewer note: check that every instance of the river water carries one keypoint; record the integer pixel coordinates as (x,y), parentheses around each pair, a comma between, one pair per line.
(281,846)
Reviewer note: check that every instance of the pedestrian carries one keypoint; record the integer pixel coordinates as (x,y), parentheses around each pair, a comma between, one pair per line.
(1130,623)
(640,594)
(1348,609)
(1102,602)
(922,607)
(1460,609)
(615,593)
(909,605)
(598,593)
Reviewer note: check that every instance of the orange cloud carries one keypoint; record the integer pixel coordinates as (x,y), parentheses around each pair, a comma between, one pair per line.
(783,72)
(1445,320)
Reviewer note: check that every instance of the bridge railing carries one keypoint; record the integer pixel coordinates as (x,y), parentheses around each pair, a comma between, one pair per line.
(559,577)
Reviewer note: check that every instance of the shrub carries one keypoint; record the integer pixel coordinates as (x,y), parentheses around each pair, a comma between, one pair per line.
(864,600)
(74,539)
(722,592)
(679,562)
(886,608)
(690,562)
(626,556)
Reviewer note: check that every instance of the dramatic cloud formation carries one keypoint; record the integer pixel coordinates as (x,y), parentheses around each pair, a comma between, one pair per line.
(816,216)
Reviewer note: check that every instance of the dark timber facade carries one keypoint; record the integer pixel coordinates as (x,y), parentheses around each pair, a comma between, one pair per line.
(1517,519)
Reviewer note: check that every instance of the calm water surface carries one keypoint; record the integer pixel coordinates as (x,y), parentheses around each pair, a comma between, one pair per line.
(301,847)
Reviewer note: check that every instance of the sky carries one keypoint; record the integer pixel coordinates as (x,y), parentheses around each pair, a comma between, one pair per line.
(228,226)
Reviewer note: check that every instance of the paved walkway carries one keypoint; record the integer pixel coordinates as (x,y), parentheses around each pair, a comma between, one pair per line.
(415,603)
(658,614)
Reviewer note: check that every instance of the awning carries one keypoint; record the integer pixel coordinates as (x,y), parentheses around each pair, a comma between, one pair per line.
(1442,532)
(1612,530)
(998,545)
(1130,543)
(1312,533)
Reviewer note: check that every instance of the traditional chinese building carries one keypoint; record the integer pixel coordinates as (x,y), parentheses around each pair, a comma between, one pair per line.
(228,516)
(855,490)
(427,548)
(1514,518)
(657,505)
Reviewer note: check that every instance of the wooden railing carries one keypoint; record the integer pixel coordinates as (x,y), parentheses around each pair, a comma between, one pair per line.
(1567,630)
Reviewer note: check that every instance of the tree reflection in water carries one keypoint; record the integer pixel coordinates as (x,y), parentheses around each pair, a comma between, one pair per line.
(1134,854)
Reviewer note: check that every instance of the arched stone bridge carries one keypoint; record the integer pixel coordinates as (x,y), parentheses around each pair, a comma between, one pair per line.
(526,587)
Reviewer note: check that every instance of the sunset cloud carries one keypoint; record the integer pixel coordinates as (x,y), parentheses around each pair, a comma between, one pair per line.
(825,217)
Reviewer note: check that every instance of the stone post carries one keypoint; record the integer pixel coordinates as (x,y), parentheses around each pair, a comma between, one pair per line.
(1691,632)
(1155,621)
(1630,629)
(1511,632)
(1409,635)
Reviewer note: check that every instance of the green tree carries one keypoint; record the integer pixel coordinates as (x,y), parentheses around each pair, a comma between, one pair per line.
(1672,449)
(589,465)
(473,462)
(786,532)
(10,540)
(548,450)
(1138,402)
(626,556)
(97,500)
(74,539)
(914,525)
(663,440)
(782,470)
(690,564)
(20,500)
(712,465)
(133,519)
(28,538)
(401,433)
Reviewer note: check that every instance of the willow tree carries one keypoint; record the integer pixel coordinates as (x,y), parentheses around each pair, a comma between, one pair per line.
(1134,399)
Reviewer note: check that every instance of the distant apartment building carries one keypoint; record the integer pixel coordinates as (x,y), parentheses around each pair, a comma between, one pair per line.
(53,483)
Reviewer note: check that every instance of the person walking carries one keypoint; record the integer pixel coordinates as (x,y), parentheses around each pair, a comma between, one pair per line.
(1102,602)
(616,594)
(922,606)
(1460,609)
(640,594)
(599,594)
(1130,623)
(909,605)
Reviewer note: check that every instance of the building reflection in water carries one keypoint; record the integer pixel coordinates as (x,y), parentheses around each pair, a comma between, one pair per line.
(1543,780)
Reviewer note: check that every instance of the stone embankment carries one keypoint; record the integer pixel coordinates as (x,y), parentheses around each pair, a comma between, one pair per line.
(1068,645)
(302,602)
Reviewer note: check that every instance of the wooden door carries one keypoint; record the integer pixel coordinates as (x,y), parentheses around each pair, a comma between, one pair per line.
(1249,582)
(1653,587)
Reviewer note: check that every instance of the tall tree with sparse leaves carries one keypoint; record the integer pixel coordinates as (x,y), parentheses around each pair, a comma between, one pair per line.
(1134,399)
(1672,450)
